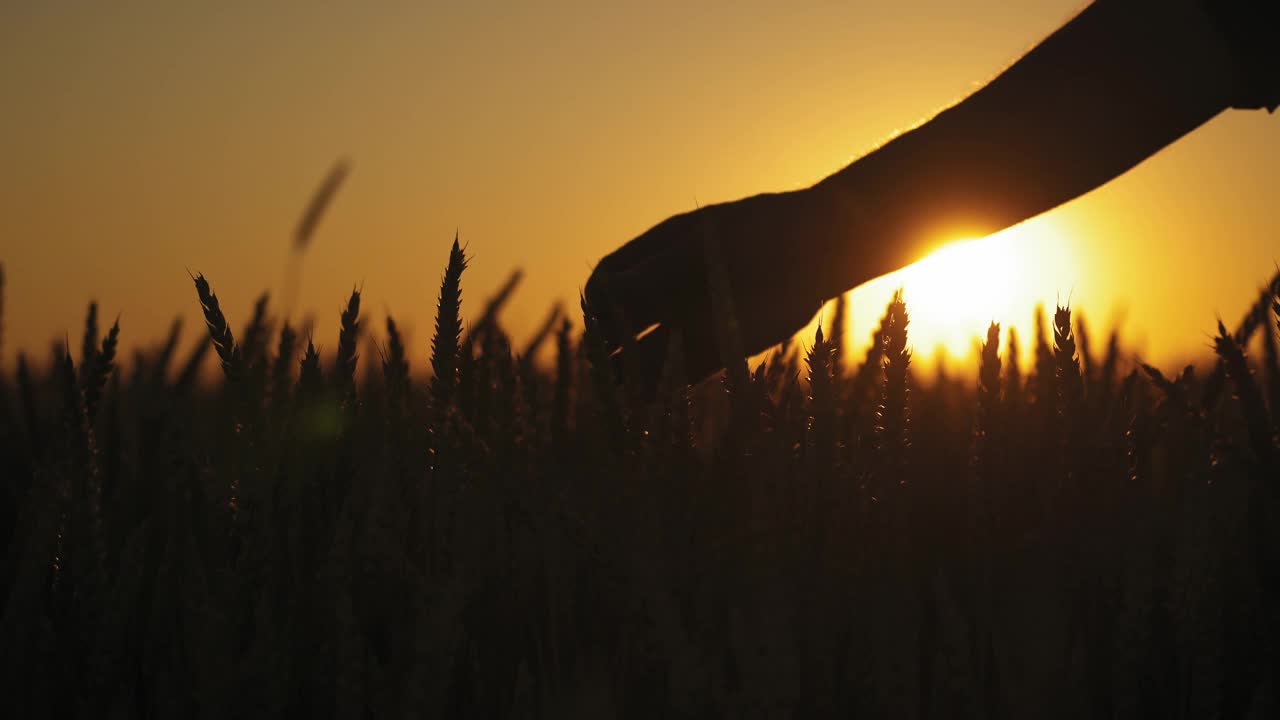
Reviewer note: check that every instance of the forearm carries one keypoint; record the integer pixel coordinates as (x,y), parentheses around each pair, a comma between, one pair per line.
(1116,84)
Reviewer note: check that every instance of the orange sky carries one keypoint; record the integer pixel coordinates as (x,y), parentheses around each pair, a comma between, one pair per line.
(143,138)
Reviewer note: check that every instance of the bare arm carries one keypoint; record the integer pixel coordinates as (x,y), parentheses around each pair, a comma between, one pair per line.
(1120,81)
(1106,91)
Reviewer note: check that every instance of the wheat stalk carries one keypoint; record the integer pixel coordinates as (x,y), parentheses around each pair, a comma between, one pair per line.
(1255,317)
(219,331)
(282,369)
(893,427)
(320,201)
(310,376)
(254,339)
(544,331)
(395,365)
(102,363)
(445,342)
(821,431)
(1067,367)
(191,368)
(1261,430)
(348,336)
(89,344)
(989,380)
(160,367)
(489,317)
(1013,369)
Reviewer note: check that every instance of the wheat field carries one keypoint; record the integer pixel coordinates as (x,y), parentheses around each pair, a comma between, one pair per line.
(394,530)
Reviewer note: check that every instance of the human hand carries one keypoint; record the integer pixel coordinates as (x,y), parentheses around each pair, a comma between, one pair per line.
(768,248)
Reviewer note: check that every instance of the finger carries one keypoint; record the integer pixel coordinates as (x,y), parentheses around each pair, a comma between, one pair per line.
(658,289)
(641,363)
(661,288)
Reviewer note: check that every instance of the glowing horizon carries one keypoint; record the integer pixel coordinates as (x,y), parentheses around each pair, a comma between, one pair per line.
(146,139)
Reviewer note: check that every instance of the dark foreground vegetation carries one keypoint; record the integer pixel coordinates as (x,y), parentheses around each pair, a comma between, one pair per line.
(344,537)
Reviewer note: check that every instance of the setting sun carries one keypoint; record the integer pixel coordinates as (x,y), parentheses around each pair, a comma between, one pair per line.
(953,294)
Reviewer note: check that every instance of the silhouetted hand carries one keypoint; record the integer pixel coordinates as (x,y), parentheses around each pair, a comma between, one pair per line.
(766,246)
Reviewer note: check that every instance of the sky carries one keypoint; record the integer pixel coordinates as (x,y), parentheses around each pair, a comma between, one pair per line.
(142,139)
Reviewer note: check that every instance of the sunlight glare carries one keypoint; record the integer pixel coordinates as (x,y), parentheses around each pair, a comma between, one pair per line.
(955,293)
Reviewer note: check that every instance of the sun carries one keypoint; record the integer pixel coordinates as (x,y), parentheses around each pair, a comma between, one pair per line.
(956,292)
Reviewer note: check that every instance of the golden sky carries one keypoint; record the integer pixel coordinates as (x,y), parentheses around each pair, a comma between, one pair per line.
(143,138)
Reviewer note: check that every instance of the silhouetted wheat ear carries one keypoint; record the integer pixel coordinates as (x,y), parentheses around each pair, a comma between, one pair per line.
(776,371)
(320,201)
(282,370)
(186,378)
(1158,378)
(820,435)
(72,398)
(1111,362)
(1256,316)
(224,343)
(395,366)
(310,377)
(819,360)
(1013,367)
(504,381)
(448,334)
(985,427)
(894,423)
(89,344)
(870,372)
(348,337)
(160,368)
(791,363)
(989,370)
(254,341)
(102,364)
(1261,433)
(1067,365)
(489,317)
(544,331)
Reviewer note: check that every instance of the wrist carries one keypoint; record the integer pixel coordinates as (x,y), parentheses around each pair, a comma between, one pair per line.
(1252,34)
